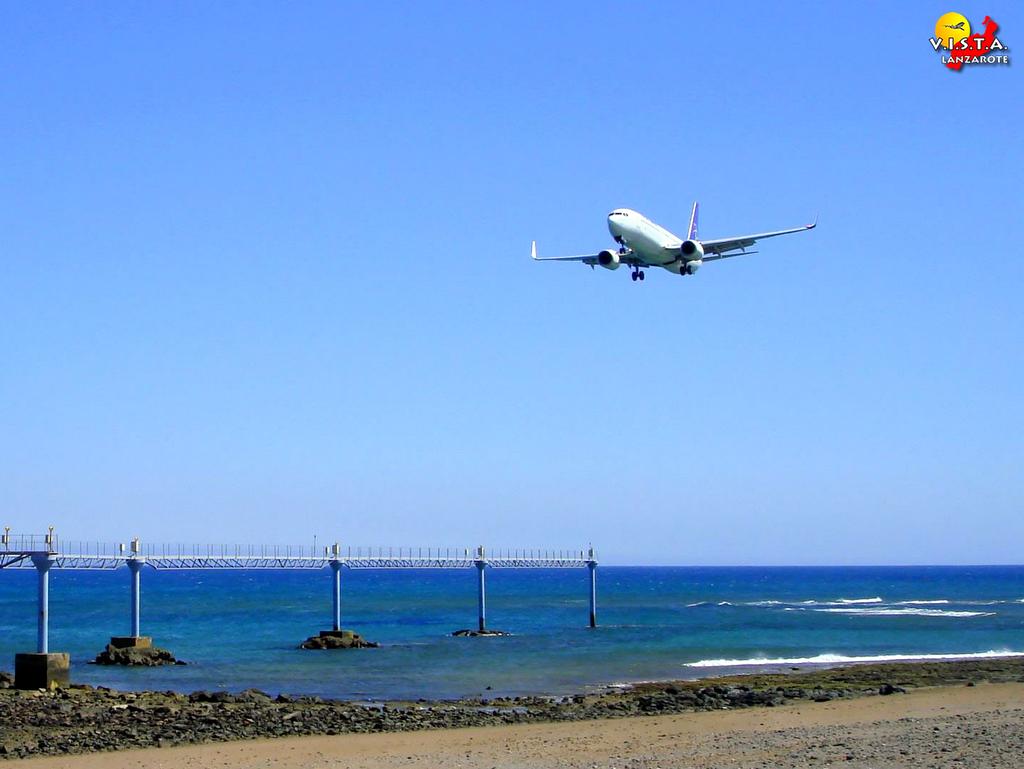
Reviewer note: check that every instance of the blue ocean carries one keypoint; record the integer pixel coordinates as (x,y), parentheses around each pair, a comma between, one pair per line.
(240,629)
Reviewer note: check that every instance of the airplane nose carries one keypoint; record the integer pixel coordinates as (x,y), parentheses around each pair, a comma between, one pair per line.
(615,228)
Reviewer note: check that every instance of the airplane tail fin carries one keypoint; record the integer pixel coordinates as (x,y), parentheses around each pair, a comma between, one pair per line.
(692,232)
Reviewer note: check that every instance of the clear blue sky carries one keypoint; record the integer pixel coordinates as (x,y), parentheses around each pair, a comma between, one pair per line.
(264,274)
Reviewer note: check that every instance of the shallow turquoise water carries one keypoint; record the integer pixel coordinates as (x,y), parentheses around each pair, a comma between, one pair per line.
(241,629)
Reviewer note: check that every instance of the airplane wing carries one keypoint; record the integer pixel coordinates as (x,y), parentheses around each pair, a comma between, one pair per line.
(591,259)
(720,248)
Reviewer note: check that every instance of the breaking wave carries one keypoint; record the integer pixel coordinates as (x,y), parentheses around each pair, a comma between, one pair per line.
(843,602)
(876,599)
(833,659)
(908,612)
(923,602)
(875,605)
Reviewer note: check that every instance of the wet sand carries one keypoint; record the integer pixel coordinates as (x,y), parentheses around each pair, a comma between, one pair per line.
(948,726)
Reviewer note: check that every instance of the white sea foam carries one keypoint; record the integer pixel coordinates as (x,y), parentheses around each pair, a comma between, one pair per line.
(844,601)
(834,659)
(923,602)
(907,612)
(848,605)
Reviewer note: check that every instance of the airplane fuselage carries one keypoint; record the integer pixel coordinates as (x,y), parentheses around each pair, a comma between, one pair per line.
(649,241)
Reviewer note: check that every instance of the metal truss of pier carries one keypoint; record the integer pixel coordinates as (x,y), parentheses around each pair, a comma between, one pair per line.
(45,552)
(16,551)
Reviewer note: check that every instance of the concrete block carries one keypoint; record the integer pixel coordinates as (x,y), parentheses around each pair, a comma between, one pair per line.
(131,642)
(41,671)
(347,634)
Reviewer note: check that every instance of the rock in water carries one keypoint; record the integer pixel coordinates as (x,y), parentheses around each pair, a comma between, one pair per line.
(144,656)
(337,639)
(467,633)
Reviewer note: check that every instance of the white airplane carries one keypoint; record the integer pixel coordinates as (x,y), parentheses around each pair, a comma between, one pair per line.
(642,243)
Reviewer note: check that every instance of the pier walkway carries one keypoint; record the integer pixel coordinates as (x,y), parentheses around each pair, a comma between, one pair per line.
(44,552)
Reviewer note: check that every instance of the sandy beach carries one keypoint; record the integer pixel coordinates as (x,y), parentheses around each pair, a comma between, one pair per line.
(976,726)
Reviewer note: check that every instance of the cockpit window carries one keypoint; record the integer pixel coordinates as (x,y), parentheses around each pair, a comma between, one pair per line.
(618,213)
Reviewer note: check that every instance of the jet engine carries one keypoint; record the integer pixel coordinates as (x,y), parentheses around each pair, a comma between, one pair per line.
(609,260)
(692,251)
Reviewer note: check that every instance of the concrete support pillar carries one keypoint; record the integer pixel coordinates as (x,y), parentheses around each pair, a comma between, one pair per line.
(481,591)
(135,568)
(592,567)
(336,569)
(42,669)
(43,564)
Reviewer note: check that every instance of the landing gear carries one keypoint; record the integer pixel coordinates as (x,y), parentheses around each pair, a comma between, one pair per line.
(637,275)
(632,276)
(641,274)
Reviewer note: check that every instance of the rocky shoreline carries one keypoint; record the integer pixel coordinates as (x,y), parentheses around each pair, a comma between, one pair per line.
(83,719)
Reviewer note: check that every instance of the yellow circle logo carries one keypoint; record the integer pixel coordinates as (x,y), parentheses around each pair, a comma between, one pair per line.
(952,27)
